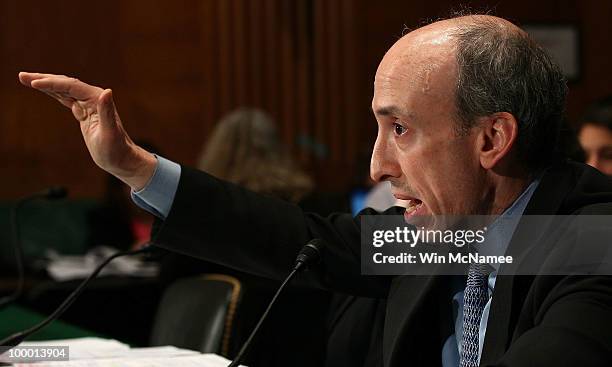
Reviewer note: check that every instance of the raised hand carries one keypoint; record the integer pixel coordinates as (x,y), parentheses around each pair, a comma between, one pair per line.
(107,141)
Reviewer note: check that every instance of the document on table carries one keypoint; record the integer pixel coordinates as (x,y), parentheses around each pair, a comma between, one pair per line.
(85,348)
(97,352)
(199,360)
(68,267)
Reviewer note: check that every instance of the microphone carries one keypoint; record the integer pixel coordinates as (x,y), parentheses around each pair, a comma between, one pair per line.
(14,340)
(52,193)
(309,255)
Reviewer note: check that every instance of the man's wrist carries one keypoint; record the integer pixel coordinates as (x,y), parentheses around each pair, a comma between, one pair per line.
(138,170)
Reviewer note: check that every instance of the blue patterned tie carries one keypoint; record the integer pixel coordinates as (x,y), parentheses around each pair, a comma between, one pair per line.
(475,297)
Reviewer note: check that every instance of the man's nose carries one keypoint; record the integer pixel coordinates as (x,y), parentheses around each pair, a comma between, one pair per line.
(384,164)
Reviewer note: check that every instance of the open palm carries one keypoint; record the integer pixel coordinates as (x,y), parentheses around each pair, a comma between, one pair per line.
(107,141)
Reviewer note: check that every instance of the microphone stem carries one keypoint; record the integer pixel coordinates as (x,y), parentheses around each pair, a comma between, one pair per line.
(247,343)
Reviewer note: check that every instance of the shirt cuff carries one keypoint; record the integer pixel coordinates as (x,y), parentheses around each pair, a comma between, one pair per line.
(158,195)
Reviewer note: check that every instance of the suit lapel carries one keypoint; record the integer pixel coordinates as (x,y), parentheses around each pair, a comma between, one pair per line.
(510,291)
(406,308)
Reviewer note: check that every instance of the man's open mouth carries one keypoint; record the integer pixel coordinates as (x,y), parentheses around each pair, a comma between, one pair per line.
(412,205)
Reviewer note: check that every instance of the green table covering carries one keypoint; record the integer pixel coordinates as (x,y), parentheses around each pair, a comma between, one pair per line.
(16,318)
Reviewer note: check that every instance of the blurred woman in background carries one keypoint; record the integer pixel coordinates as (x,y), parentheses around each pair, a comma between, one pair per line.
(245,149)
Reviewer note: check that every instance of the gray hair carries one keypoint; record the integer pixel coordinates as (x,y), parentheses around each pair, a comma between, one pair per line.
(501,69)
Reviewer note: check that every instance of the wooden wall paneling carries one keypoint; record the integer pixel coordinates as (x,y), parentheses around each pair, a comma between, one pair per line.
(226,78)
(336,68)
(287,43)
(353,78)
(320,132)
(270,47)
(242,86)
(304,117)
(159,90)
(210,67)
(255,56)
(336,98)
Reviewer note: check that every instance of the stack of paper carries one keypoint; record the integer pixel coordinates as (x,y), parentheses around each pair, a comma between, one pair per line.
(200,360)
(69,267)
(86,348)
(97,352)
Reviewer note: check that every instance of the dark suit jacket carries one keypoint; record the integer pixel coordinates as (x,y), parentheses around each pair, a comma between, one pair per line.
(533,321)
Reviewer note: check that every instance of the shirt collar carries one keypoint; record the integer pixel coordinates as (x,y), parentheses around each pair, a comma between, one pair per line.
(501,230)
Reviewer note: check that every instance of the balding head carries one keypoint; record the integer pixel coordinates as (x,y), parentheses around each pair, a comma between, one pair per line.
(435,45)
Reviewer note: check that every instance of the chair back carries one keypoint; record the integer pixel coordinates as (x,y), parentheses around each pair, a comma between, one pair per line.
(198,313)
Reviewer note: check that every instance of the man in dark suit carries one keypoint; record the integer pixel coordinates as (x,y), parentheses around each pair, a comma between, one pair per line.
(469,111)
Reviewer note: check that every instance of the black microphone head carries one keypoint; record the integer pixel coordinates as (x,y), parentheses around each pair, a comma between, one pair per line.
(55,192)
(310,254)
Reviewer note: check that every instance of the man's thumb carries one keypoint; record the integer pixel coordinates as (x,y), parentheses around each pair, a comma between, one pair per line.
(106,108)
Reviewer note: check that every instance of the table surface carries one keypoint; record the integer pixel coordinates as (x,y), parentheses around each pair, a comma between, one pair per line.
(15,318)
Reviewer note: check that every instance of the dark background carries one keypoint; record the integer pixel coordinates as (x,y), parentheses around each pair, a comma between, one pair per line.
(177,66)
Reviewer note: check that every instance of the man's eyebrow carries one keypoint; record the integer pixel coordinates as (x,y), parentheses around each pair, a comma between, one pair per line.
(391,111)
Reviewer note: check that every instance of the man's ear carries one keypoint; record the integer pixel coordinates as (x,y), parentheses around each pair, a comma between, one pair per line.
(498,135)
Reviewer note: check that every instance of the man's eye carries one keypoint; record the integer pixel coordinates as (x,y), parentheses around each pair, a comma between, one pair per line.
(399,129)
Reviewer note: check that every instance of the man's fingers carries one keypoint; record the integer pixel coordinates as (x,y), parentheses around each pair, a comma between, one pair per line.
(27,78)
(68,87)
(80,97)
(61,85)
(106,107)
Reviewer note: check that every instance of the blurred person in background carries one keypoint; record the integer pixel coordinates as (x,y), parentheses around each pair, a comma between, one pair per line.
(245,149)
(595,135)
